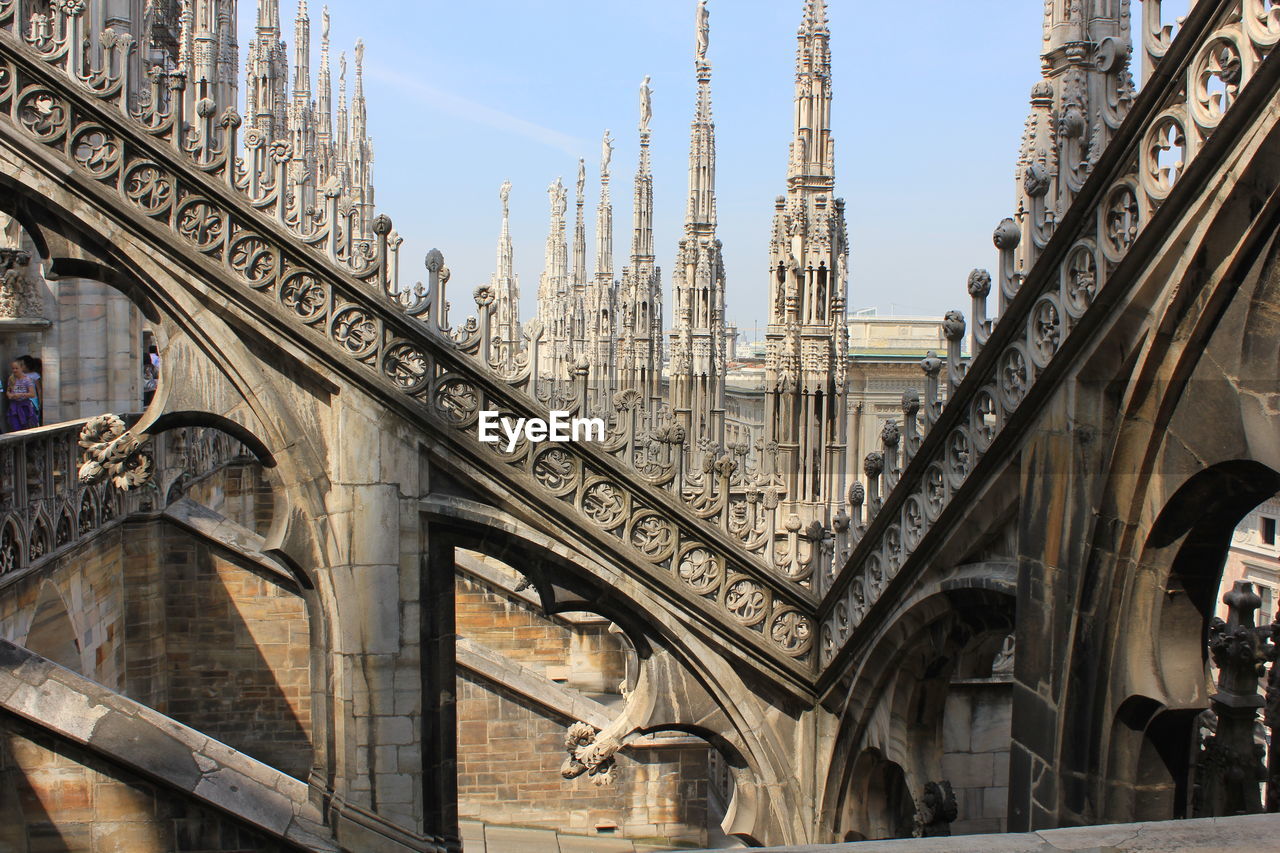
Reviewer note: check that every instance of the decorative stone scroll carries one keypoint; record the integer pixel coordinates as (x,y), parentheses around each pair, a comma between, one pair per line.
(589,755)
(112,451)
(47,506)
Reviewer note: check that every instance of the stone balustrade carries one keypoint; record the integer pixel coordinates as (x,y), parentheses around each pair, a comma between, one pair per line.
(45,509)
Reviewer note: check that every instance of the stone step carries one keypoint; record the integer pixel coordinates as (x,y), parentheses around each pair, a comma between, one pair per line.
(1244,834)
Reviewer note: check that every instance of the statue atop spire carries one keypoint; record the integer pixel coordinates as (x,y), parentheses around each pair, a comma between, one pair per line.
(704,30)
(600,302)
(646,105)
(580,237)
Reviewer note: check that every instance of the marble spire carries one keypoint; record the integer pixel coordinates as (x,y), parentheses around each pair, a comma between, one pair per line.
(324,105)
(576,295)
(302,125)
(361,157)
(807,337)
(600,303)
(698,341)
(640,293)
(1084,94)
(553,289)
(506,290)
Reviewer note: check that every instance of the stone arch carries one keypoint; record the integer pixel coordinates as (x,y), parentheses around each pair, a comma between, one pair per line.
(879,802)
(51,632)
(897,699)
(1152,733)
(681,687)
(71,251)
(745,798)
(242,434)
(13,545)
(1182,384)
(65,233)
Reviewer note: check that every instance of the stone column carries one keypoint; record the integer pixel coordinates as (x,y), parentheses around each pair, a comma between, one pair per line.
(439,693)
(1230,766)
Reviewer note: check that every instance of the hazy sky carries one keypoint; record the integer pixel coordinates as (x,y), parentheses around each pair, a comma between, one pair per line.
(930,101)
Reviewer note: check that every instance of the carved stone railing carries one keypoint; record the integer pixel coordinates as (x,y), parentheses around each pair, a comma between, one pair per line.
(206,131)
(1217,52)
(46,510)
(399,350)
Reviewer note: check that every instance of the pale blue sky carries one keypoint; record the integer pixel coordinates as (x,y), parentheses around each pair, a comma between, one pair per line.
(930,101)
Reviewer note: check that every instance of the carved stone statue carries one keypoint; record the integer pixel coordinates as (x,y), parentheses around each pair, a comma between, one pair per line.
(704,30)
(19,296)
(937,810)
(324,22)
(606,153)
(559,198)
(646,105)
(505,194)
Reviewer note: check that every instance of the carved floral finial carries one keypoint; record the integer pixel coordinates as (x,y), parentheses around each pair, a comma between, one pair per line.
(113,451)
(588,754)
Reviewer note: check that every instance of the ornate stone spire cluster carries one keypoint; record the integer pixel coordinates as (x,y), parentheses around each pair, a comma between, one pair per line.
(807,337)
(1084,94)
(193,38)
(610,330)
(698,340)
(600,349)
(327,157)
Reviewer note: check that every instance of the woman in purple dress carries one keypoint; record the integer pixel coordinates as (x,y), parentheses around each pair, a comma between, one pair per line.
(21,394)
